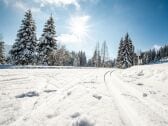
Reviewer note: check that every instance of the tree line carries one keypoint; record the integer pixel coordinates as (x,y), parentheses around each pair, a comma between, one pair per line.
(153,56)
(28,50)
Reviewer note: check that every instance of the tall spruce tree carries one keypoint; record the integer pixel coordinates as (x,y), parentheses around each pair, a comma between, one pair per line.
(120,59)
(48,43)
(2,57)
(166,50)
(126,53)
(96,59)
(23,51)
(104,54)
(82,58)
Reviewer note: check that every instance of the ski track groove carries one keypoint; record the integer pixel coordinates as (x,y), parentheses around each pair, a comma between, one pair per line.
(125,120)
(154,108)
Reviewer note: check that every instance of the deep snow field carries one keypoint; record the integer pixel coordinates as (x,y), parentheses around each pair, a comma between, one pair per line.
(137,96)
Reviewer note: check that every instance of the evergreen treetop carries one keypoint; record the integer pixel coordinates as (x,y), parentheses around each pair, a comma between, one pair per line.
(23,51)
(125,56)
(48,42)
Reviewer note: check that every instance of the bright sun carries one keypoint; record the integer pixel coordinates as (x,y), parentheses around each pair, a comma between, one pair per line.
(79,27)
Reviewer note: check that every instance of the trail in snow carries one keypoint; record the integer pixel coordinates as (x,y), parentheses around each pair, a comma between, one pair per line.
(128,116)
(138,110)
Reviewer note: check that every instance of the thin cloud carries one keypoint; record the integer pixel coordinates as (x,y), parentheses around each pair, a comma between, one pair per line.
(61,3)
(64,3)
(21,5)
(38,4)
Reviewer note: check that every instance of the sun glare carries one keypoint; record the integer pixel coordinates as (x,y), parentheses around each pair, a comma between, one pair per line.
(79,27)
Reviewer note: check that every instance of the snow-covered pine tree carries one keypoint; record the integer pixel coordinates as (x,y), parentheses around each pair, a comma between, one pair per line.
(125,53)
(104,54)
(166,50)
(162,54)
(82,58)
(128,52)
(158,57)
(73,56)
(96,59)
(23,51)
(48,43)
(98,55)
(120,59)
(2,57)
(153,55)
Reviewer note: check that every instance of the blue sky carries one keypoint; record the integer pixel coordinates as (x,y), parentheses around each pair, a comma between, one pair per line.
(80,24)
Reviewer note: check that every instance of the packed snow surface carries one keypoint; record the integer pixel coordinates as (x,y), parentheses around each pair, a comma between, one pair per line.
(137,96)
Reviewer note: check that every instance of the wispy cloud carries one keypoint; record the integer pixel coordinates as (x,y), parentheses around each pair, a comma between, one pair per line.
(21,5)
(61,3)
(37,4)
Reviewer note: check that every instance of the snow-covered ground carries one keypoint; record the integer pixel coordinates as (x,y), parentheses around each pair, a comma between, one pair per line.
(137,96)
